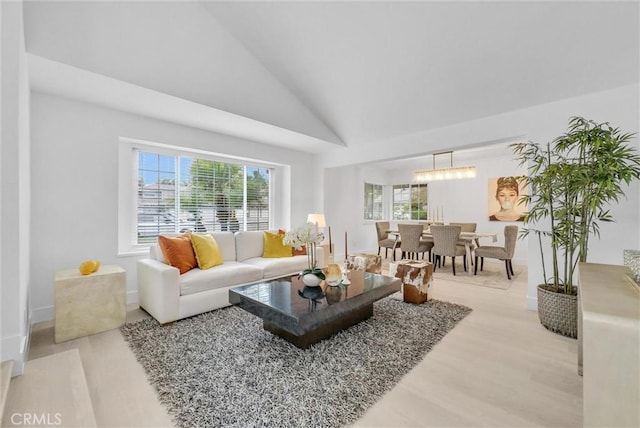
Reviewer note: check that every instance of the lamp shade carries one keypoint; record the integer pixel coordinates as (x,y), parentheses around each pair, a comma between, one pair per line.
(317,219)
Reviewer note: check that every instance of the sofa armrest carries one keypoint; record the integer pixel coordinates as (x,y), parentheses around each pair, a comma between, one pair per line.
(159,289)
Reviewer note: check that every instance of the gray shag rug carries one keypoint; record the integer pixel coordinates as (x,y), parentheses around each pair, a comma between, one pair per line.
(221,369)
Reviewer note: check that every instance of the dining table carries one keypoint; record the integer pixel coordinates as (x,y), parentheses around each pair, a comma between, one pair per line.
(470,240)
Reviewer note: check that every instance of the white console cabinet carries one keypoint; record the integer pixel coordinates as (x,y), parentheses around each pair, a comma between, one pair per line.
(609,345)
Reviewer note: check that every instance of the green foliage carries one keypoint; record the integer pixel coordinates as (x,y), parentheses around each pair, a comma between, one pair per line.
(221,186)
(214,181)
(572,182)
(418,214)
(372,201)
(419,202)
(410,202)
(257,190)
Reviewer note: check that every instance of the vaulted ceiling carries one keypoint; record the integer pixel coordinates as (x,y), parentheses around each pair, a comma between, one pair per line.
(375,70)
(346,73)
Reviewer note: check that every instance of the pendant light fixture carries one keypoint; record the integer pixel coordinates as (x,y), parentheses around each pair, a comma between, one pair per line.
(450,173)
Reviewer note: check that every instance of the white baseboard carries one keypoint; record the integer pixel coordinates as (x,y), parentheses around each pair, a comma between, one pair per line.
(132,297)
(43,313)
(48,313)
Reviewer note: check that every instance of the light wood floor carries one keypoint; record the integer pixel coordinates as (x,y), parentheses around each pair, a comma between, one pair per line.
(498,368)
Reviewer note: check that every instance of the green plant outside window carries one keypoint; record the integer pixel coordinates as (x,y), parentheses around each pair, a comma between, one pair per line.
(409,202)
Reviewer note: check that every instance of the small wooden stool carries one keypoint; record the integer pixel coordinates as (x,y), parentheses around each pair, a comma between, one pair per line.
(416,277)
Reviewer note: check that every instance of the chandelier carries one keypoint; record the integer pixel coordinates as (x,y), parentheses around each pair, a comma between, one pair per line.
(450,173)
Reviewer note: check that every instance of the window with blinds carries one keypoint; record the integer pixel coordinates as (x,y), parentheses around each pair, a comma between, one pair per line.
(185,193)
(372,201)
(409,202)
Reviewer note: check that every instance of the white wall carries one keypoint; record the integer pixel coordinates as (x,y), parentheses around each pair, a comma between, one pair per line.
(75,184)
(176,48)
(460,200)
(540,124)
(466,200)
(343,198)
(14,181)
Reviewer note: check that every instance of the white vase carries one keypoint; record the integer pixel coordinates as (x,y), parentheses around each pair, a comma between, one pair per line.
(310,280)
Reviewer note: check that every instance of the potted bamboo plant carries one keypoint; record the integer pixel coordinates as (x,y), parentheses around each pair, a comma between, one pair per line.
(572,181)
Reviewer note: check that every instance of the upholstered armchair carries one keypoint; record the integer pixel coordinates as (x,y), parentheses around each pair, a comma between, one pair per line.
(466,227)
(383,238)
(412,244)
(445,240)
(501,253)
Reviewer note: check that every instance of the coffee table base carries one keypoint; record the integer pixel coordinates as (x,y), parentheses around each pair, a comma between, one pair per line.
(324,331)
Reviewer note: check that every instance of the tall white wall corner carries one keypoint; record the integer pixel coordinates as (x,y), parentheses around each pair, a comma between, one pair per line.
(15,348)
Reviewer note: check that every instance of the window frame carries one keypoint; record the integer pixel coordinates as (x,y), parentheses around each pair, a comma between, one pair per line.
(409,187)
(372,202)
(128,185)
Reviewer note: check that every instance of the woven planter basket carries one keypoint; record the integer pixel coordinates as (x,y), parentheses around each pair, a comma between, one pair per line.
(558,312)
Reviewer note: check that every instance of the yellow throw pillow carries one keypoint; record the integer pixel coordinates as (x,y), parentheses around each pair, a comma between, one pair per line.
(273,246)
(207,251)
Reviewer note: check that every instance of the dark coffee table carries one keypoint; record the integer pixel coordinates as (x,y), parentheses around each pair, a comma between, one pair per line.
(306,315)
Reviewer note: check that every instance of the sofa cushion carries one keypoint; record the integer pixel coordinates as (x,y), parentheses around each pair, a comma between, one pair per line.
(207,251)
(274,247)
(226,275)
(249,244)
(178,252)
(227,244)
(273,268)
(156,254)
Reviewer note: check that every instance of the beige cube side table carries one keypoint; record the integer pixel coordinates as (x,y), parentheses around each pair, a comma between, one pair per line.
(89,304)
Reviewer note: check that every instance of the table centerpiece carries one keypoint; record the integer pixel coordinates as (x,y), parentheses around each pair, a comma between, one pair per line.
(307,235)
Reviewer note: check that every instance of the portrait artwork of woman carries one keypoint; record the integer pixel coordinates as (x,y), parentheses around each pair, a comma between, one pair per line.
(507,197)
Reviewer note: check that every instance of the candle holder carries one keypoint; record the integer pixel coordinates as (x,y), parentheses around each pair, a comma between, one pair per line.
(345,272)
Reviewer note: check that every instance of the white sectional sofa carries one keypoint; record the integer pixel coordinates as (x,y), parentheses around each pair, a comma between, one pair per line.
(169,296)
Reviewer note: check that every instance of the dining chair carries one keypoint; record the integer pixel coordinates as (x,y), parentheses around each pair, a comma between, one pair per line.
(383,238)
(501,253)
(445,240)
(466,227)
(411,242)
